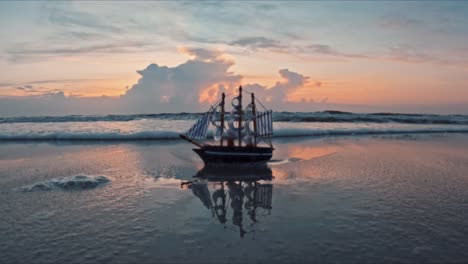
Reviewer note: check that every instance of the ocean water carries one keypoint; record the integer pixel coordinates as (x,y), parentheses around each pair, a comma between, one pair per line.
(127,191)
(168,126)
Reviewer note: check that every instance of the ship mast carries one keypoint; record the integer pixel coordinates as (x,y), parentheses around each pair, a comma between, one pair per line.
(222,118)
(254,119)
(240,116)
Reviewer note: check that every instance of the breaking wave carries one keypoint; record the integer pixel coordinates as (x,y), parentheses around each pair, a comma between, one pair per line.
(347,117)
(145,135)
(77,182)
(279,133)
(324,116)
(95,118)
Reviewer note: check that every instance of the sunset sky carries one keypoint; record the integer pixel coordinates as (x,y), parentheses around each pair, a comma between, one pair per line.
(127,57)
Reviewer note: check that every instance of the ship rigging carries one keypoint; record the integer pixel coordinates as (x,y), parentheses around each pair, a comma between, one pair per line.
(243,134)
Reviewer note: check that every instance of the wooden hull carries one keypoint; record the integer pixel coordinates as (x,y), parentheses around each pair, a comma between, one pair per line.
(234,155)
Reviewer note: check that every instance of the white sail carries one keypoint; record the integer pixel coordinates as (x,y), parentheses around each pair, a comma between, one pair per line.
(233,119)
(264,122)
(233,131)
(200,128)
(215,120)
(248,112)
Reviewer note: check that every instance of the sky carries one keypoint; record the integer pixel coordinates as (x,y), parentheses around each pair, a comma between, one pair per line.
(148,57)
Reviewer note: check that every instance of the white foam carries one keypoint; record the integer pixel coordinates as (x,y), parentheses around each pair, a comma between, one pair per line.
(279,162)
(67,183)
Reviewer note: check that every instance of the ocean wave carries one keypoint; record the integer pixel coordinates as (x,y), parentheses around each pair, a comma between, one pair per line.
(324,116)
(298,132)
(96,118)
(77,182)
(144,135)
(172,135)
(347,117)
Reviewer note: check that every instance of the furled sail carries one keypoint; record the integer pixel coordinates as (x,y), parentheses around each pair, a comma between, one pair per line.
(200,128)
(265,123)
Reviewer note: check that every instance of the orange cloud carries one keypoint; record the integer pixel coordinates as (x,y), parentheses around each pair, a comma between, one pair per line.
(206,55)
(210,94)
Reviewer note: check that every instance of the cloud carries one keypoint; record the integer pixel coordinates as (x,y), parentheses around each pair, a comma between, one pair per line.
(268,44)
(257,42)
(187,87)
(56,103)
(404,53)
(320,48)
(328,50)
(278,94)
(39,90)
(6,84)
(398,22)
(36,86)
(26,88)
(78,32)
(54,95)
(25,53)
(201,54)
(266,6)
(67,18)
(66,36)
(179,88)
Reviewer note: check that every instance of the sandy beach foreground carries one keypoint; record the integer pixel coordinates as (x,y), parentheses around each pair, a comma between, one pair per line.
(384,199)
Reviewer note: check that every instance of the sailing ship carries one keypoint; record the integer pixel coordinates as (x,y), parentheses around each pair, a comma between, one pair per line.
(243,133)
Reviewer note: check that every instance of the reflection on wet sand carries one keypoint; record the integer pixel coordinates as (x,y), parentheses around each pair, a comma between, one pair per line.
(241,189)
(309,152)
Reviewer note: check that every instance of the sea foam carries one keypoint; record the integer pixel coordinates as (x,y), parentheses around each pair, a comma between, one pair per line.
(77,182)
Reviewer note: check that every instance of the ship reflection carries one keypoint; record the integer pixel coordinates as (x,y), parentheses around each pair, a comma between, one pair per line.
(240,190)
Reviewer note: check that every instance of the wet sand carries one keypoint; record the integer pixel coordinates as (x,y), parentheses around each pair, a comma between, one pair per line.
(352,199)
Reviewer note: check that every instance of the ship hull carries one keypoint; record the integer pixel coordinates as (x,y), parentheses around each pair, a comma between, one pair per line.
(233,155)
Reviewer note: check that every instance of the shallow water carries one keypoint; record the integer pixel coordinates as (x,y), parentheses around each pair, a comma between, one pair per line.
(374,199)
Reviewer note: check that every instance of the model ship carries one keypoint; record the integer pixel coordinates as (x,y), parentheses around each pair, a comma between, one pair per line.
(241,135)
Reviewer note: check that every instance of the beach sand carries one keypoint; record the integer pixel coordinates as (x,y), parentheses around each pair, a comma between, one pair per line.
(380,199)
